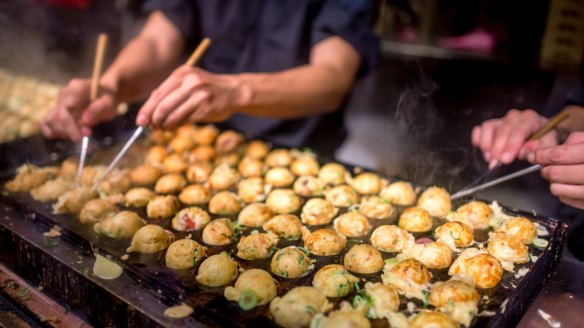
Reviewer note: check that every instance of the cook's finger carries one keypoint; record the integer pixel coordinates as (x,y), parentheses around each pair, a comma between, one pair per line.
(170,104)
(570,174)
(574,138)
(487,133)
(100,110)
(562,154)
(186,109)
(145,114)
(574,202)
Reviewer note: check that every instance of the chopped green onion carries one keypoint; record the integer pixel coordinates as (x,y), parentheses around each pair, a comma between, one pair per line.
(311,309)
(540,243)
(247,299)
(392,260)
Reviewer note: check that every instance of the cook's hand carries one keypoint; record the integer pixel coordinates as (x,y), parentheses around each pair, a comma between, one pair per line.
(191,94)
(564,169)
(74,115)
(504,139)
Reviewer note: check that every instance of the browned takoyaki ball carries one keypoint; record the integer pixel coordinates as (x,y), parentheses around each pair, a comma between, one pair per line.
(257,149)
(199,172)
(203,153)
(181,143)
(205,135)
(255,215)
(171,183)
(225,203)
(279,158)
(223,177)
(195,194)
(399,193)
(251,190)
(145,175)
(325,242)
(342,196)
(363,259)
(283,201)
(156,155)
(175,163)
(415,219)
(219,232)
(138,197)
(318,211)
(308,186)
(162,207)
(367,183)
(352,224)
(305,165)
(250,167)
(279,177)
(375,207)
(285,226)
(436,201)
(228,141)
(333,173)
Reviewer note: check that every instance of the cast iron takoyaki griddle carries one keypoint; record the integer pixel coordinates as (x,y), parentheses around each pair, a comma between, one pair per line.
(147,273)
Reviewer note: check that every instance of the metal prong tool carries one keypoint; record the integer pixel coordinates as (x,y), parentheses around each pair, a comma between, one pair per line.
(495,182)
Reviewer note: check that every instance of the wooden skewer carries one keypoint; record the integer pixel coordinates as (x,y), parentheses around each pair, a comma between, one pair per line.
(199,52)
(97,64)
(551,123)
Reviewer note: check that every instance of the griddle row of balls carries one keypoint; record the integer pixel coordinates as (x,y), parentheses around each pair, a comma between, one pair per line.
(211,163)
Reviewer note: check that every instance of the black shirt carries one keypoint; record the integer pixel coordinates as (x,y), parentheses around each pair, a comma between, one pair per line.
(270,36)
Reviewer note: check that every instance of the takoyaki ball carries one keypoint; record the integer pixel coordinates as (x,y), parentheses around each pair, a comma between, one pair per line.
(384,299)
(199,172)
(223,177)
(69,167)
(50,190)
(251,190)
(145,175)
(225,203)
(285,226)
(256,149)
(475,214)
(195,194)
(391,238)
(184,254)
(367,183)
(305,165)
(256,246)
(457,299)
(485,270)
(180,144)
(96,210)
(409,276)
(249,167)
(255,215)
(455,234)
(291,262)
(256,281)
(278,158)
(308,186)
(156,155)
(415,219)
(363,259)
(150,239)
(228,141)
(283,201)
(318,211)
(508,249)
(203,153)
(174,163)
(434,255)
(352,224)
(90,174)
(217,270)
(230,159)
(162,207)
(297,307)
(186,130)
(170,183)
(72,201)
(120,226)
(342,196)
(325,242)
(161,137)
(375,207)
(279,177)
(334,280)
(219,232)
(30,177)
(436,201)
(399,193)
(117,182)
(346,317)
(138,197)
(332,173)
(190,219)
(432,319)
(205,135)
(519,227)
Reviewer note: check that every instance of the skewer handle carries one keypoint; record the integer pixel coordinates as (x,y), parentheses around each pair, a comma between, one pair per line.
(199,52)
(97,64)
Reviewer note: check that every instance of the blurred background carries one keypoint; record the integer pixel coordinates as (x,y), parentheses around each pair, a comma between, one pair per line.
(446,66)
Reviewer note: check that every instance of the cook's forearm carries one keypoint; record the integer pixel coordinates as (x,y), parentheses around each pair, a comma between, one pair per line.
(315,88)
